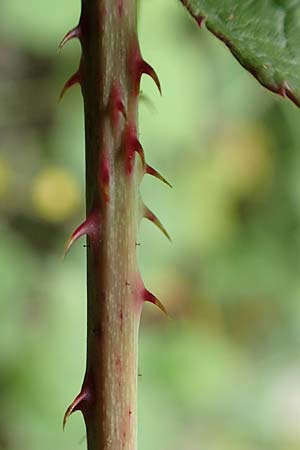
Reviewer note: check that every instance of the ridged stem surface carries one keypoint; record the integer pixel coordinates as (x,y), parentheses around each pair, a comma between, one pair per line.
(109,80)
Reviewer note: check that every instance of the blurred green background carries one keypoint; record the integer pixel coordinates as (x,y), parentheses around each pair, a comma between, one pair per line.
(224,372)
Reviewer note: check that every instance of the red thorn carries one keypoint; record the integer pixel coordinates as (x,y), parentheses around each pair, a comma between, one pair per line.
(120,7)
(75,78)
(116,105)
(74,33)
(139,149)
(138,67)
(148,70)
(152,217)
(132,146)
(76,405)
(151,171)
(89,227)
(149,297)
(121,108)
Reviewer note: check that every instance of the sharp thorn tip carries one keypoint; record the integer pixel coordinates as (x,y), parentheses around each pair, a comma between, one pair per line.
(75,406)
(148,70)
(74,79)
(152,217)
(151,171)
(149,297)
(74,33)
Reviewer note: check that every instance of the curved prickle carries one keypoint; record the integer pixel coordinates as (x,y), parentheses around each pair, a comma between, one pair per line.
(76,405)
(149,297)
(148,214)
(148,70)
(132,145)
(116,105)
(74,33)
(89,227)
(151,171)
(74,79)
(138,66)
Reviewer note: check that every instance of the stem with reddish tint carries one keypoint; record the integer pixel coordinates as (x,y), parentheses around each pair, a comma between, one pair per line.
(109,74)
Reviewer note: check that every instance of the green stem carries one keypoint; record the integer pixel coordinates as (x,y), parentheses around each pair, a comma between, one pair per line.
(109,74)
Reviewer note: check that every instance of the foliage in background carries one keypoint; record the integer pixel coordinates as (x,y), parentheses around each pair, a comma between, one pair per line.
(223,372)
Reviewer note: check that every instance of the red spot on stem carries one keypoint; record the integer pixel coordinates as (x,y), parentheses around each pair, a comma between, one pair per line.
(118,364)
(121,317)
(120,7)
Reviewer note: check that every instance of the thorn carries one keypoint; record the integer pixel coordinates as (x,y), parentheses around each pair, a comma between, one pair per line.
(75,78)
(149,297)
(148,70)
(80,231)
(75,406)
(151,171)
(74,33)
(138,66)
(89,227)
(132,145)
(139,149)
(152,217)
(116,105)
(121,108)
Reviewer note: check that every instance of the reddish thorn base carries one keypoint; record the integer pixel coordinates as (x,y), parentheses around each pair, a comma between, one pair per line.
(132,145)
(149,297)
(90,227)
(76,405)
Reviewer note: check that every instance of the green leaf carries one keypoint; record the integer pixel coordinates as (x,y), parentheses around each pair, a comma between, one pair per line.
(263,35)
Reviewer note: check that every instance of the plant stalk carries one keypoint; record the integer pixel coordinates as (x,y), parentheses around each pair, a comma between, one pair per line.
(109,73)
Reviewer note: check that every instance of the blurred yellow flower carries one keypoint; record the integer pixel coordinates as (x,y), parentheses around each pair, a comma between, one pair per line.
(55,194)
